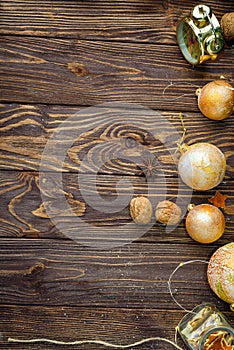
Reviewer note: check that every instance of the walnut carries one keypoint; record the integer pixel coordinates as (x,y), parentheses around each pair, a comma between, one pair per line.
(141,210)
(168,213)
(227,24)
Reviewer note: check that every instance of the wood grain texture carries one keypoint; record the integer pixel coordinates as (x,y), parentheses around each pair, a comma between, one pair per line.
(119,325)
(56,273)
(58,57)
(148,21)
(75,72)
(116,139)
(28,212)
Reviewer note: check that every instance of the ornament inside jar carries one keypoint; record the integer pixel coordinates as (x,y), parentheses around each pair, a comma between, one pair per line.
(206,328)
(220,273)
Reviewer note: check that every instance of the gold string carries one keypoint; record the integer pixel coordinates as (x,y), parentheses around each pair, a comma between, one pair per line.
(99,342)
(172,274)
(176,84)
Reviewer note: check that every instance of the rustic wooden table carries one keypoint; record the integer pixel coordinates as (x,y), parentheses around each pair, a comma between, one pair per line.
(57,59)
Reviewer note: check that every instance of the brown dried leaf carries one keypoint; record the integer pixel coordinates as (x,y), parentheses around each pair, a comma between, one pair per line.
(218,200)
(217,341)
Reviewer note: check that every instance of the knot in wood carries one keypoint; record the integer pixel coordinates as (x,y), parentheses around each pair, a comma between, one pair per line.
(78,69)
(35,269)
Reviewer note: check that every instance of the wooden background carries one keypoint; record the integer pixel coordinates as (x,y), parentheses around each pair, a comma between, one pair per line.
(58,58)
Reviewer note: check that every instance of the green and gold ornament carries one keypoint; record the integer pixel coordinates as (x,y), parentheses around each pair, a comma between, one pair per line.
(220,273)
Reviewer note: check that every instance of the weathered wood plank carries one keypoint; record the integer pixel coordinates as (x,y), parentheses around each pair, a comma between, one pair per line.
(118,325)
(131,135)
(57,71)
(81,53)
(151,21)
(95,207)
(50,273)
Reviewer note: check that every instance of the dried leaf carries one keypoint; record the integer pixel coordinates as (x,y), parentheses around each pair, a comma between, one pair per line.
(218,200)
(217,341)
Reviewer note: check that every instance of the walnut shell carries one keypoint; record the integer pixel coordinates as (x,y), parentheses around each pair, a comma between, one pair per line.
(227,24)
(168,213)
(141,210)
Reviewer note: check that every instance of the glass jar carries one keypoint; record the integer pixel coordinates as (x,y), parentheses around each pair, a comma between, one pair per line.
(206,328)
